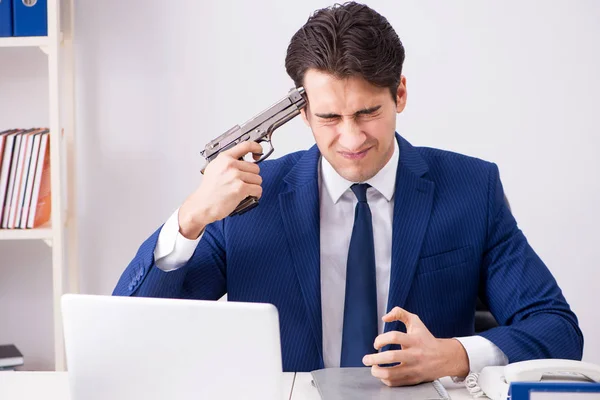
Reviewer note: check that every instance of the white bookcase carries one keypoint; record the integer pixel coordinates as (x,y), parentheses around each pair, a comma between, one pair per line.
(61,233)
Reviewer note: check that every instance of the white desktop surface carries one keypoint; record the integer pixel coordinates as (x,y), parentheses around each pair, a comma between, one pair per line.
(34,385)
(55,386)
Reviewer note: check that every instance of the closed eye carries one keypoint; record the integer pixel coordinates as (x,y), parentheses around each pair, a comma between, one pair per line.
(328,116)
(368,111)
(359,113)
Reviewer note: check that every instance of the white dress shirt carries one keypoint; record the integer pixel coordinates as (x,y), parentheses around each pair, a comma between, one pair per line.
(337,204)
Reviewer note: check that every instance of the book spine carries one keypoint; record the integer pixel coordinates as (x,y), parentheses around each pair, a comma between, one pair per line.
(11,180)
(30,180)
(41,206)
(5,172)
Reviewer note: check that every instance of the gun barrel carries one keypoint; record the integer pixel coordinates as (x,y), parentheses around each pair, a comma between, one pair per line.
(260,125)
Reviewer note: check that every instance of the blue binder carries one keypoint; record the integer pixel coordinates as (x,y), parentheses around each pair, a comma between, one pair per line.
(30,17)
(523,390)
(6,18)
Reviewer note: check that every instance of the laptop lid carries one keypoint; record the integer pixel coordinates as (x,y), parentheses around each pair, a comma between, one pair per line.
(147,348)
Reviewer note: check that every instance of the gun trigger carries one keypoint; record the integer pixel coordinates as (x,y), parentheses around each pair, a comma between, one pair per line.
(268,153)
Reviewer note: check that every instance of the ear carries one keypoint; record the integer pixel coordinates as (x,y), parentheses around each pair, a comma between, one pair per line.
(305,116)
(401,95)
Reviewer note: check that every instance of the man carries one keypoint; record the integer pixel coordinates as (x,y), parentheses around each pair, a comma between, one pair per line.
(374,251)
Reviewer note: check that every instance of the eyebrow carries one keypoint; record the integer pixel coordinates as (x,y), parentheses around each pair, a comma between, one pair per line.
(364,111)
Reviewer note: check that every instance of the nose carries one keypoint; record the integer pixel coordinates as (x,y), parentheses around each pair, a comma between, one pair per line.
(350,138)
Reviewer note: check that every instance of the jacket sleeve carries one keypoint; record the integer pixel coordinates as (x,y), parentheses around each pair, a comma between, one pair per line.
(535,319)
(203,277)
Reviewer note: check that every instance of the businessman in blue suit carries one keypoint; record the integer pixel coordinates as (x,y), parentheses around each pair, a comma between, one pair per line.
(374,251)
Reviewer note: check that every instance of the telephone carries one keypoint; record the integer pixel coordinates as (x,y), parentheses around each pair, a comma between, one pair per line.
(494,382)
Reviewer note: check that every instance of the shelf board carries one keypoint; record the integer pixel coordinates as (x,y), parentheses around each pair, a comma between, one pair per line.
(24,41)
(43,232)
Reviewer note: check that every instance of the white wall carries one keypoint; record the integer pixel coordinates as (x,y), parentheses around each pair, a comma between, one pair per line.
(512,82)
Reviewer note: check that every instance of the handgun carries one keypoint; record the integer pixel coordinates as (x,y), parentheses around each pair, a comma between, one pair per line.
(259,128)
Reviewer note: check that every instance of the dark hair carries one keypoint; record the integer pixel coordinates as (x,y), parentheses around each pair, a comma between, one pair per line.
(347,40)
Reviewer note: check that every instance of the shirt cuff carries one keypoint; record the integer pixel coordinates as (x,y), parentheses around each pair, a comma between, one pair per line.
(482,353)
(172,249)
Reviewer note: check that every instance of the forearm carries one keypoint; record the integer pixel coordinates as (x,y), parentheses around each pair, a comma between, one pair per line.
(521,292)
(173,250)
(143,278)
(541,335)
(201,277)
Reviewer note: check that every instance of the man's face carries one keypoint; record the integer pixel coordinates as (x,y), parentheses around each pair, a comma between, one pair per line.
(353,122)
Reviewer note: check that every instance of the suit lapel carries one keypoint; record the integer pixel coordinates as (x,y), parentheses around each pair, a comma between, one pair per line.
(300,207)
(413,200)
(301,218)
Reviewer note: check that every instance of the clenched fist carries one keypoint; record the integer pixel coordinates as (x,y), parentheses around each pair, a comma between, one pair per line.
(227,181)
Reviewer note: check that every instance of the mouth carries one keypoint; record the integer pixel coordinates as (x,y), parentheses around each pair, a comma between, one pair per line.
(354,156)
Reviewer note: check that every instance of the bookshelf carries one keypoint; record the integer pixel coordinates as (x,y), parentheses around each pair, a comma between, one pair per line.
(43,233)
(35,41)
(61,232)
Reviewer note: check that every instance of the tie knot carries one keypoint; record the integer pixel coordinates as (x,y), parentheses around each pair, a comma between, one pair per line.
(360,191)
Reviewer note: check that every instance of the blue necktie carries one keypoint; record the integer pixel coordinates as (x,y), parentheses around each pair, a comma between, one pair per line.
(360,306)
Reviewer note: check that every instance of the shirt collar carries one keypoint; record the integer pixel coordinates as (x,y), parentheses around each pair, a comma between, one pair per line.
(384,181)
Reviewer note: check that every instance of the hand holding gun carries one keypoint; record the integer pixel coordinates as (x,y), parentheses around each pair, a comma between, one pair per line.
(231,185)
(258,129)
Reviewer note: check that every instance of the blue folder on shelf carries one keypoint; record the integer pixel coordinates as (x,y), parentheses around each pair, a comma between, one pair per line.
(554,390)
(6,18)
(30,17)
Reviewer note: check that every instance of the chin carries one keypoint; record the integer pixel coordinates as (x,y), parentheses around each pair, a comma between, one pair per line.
(355,174)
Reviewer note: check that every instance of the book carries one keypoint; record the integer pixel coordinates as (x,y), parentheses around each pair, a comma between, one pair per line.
(27,162)
(10,356)
(554,390)
(30,18)
(9,142)
(11,179)
(6,28)
(41,205)
(21,165)
(30,178)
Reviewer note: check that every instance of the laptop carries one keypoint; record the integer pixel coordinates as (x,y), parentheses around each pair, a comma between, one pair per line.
(124,348)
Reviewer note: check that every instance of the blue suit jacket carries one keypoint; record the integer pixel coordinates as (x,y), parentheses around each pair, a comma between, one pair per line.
(453,239)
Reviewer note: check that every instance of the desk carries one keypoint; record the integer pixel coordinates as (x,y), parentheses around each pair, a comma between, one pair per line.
(304,390)
(34,385)
(55,386)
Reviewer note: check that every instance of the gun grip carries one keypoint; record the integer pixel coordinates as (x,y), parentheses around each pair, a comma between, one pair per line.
(246,205)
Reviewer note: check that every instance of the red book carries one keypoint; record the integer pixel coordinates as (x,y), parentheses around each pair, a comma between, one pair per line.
(41,205)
